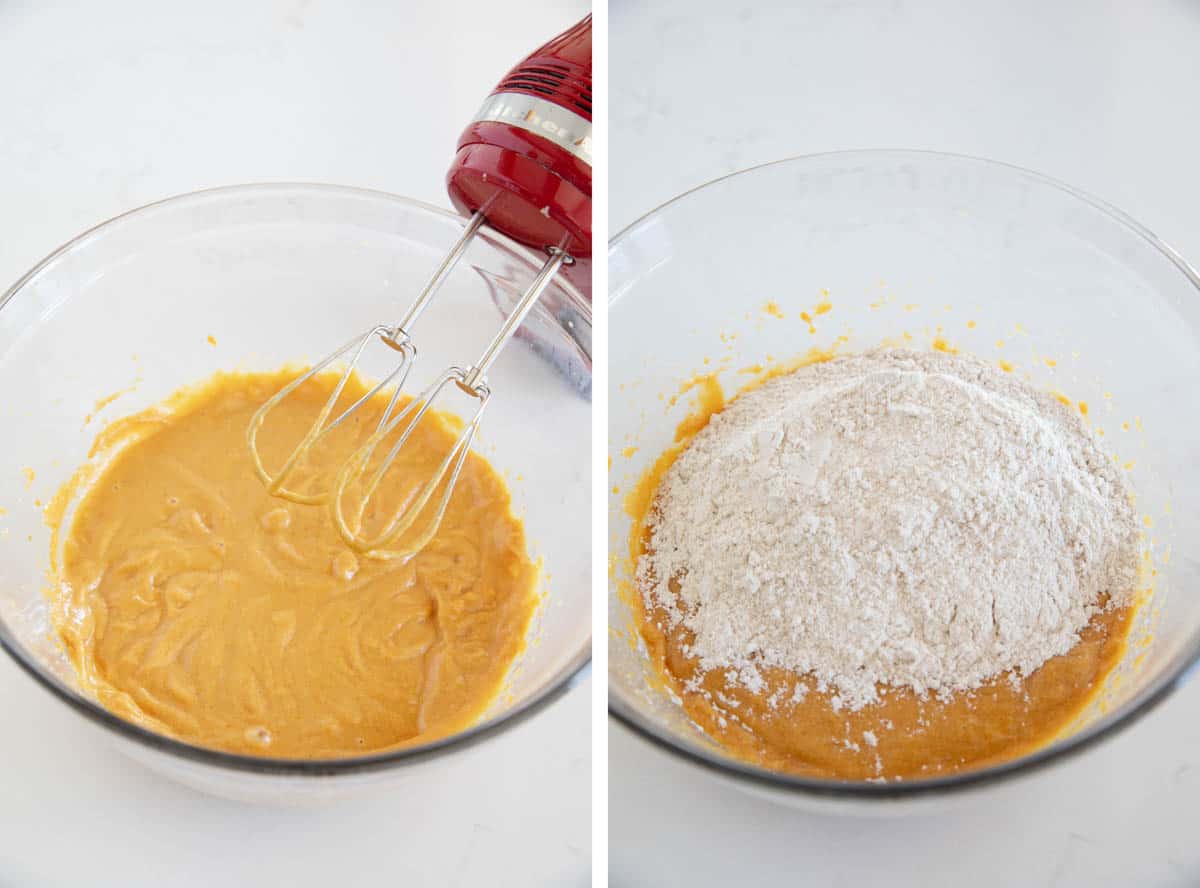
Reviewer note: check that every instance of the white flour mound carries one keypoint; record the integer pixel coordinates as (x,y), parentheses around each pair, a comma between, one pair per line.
(899,518)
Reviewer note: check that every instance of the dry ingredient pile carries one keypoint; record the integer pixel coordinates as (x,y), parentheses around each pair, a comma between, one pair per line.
(890,520)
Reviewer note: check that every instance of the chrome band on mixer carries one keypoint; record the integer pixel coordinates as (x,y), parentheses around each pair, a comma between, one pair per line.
(542,118)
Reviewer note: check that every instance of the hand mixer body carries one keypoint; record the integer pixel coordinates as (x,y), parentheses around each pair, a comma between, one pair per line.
(526,158)
(523,167)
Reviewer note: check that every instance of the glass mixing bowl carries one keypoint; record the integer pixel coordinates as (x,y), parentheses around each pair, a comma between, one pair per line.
(275,274)
(995,260)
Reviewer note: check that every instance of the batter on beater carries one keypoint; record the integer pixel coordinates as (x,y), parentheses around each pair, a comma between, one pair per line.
(195,604)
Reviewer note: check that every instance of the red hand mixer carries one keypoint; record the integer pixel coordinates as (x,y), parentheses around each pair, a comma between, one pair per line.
(524,168)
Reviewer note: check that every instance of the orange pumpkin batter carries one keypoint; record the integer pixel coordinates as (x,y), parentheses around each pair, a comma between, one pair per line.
(193,603)
(902,737)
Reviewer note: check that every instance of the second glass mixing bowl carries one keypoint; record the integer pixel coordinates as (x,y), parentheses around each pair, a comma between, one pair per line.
(278,274)
(999,261)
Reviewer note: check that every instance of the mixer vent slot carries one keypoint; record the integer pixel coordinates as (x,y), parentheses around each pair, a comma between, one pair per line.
(553,80)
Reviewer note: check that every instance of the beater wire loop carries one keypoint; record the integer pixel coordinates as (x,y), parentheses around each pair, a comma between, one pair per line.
(356,486)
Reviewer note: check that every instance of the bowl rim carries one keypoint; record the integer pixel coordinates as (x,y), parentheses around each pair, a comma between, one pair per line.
(957,784)
(572,673)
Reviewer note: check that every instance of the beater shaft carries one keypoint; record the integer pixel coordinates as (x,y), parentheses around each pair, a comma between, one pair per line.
(477,373)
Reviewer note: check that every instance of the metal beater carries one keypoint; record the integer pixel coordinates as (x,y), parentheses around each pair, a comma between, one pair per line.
(523,166)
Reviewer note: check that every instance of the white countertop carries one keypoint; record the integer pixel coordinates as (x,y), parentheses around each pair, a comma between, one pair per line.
(1099,95)
(109,106)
